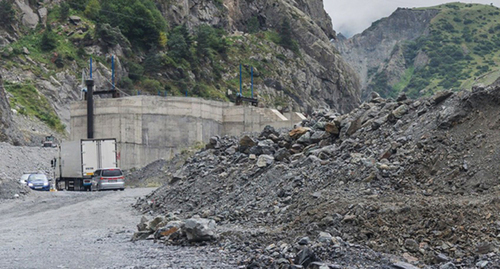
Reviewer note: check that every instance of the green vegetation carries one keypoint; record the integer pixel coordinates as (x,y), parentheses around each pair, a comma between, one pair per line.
(29,102)
(463,44)
(253,25)
(49,41)
(158,58)
(139,20)
(7,12)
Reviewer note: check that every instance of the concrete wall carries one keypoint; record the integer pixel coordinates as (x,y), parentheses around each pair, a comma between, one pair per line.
(148,128)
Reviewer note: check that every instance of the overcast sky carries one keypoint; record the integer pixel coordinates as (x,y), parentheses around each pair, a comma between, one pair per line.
(353,16)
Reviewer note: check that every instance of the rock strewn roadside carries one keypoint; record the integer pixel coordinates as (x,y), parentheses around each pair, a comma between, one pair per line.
(414,178)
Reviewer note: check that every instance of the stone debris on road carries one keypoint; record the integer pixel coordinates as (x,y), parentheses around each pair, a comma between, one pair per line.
(393,184)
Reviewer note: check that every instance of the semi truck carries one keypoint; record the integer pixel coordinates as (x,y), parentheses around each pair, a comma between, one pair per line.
(78,160)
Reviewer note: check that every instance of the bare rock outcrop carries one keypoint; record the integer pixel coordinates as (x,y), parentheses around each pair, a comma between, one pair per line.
(376,44)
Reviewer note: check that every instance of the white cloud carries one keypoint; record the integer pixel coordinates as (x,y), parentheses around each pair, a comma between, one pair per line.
(353,16)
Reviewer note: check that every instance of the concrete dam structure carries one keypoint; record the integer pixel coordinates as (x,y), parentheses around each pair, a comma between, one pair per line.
(148,128)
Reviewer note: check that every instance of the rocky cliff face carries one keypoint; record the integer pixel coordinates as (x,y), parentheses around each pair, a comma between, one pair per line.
(379,43)
(5,115)
(321,77)
(316,76)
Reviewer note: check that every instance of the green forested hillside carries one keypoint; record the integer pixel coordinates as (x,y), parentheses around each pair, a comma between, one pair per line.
(159,57)
(461,48)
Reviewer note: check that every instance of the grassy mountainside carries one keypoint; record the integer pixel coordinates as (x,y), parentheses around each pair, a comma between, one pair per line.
(423,50)
(461,49)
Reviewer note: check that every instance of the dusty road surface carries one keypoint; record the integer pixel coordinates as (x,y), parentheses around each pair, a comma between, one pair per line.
(87,230)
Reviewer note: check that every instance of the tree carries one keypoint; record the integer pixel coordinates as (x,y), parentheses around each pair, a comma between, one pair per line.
(179,43)
(152,61)
(139,20)
(92,9)
(64,11)
(209,40)
(7,13)
(78,4)
(49,41)
(286,36)
(162,40)
(253,25)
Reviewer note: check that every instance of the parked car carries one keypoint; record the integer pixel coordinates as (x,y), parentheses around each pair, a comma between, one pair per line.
(24,178)
(108,179)
(39,182)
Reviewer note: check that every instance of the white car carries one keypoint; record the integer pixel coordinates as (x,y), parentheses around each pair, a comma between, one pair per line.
(24,178)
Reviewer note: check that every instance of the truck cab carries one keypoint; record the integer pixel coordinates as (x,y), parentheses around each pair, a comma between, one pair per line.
(49,142)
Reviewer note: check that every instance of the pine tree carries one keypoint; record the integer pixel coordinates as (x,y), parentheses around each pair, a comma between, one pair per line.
(7,12)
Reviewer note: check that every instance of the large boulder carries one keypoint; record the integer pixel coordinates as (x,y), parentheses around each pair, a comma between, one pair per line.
(29,18)
(199,229)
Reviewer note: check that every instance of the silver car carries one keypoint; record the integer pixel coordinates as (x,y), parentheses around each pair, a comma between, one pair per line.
(108,179)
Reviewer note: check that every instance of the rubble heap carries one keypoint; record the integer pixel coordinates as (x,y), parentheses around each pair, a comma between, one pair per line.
(417,179)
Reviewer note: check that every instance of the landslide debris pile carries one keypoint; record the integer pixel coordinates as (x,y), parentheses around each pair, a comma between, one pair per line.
(413,178)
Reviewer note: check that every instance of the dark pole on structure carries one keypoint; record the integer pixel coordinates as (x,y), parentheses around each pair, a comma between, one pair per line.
(90,108)
(113,71)
(241,89)
(252,81)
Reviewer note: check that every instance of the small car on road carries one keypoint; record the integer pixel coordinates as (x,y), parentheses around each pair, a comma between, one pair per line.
(23,180)
(38,182)
(108,179)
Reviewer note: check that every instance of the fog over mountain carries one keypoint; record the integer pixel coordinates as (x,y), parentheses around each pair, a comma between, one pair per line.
(351,17)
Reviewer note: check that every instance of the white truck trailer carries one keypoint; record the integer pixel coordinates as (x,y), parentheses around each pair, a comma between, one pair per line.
(78,160)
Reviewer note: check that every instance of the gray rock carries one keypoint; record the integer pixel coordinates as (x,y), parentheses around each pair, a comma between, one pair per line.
(304,241)
(143,224)
(305,138)
(441,96)
(29,18)
(282,154)
(449,117)
(485,248)
(442,258)
(411,245)
(318,136)
(325,238)
(332,128)
(171,229)
(268,131)
(320,265)
(401,97)
(199,229)
(448,265)
(403,265)
(482,264)
(42,12)
(400,111)
(153,224)
(246,142)
(305,257)
(75,20)
(265,160)
(141,235)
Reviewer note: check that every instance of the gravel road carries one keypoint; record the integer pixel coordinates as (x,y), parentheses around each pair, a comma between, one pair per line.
(88,230)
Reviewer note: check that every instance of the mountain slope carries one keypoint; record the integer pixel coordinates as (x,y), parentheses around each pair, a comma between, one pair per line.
(183,47)
(421,51)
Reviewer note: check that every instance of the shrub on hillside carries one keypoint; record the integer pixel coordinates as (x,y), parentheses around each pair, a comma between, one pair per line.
(7,13)
(49,41)
(139,20)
